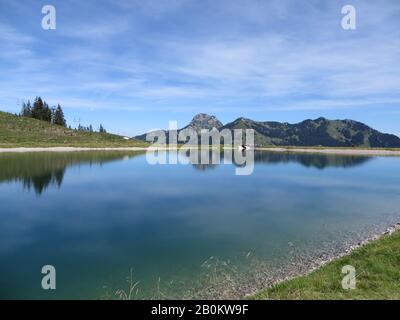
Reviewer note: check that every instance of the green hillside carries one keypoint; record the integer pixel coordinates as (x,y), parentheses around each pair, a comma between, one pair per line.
(16,131)
(318,132)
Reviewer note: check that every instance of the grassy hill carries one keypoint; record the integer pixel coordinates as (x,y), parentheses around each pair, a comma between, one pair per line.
(318,132)
(18,131)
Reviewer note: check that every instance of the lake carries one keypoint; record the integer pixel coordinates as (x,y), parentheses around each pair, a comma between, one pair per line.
(182,231)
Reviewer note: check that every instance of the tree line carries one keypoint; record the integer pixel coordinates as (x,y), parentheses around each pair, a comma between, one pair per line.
(40,110)
(90,128)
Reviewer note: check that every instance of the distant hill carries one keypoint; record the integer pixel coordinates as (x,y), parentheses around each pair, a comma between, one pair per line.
(17,131)
(309,133)
(318,132)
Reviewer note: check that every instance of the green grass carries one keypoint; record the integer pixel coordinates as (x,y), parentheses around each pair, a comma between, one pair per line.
(377,267)
(18,131)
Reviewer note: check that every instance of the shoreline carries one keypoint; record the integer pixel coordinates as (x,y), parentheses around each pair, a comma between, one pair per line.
(67,149)
(308,267)
(311,150)
(261,275)
(341,151)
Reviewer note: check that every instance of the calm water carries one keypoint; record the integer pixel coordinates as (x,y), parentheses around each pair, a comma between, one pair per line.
(94,216)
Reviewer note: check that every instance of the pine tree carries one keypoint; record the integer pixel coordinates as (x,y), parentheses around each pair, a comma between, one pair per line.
(37,109)
(26,110)
(47,114)
(59,117)
(41,110)
(23,109)
(29,109)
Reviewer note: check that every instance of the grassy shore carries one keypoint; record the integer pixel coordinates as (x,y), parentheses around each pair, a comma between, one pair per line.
(377,267)
(18,131)
(325,148)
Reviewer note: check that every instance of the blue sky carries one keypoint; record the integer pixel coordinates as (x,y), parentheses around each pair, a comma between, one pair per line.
(134,65)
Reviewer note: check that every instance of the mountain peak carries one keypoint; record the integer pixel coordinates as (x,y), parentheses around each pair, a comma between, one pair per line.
(242,119)
(317,132)
(204,121)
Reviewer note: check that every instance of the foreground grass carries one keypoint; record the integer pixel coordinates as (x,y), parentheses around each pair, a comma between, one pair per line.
(377,276)
(27,132)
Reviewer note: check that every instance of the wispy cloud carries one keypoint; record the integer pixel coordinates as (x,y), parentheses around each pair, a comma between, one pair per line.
(215,55)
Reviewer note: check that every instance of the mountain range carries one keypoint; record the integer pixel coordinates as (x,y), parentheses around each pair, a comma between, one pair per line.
(308,133)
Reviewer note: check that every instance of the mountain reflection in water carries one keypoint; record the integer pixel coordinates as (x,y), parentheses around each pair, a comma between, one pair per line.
(320,161)
(39,171)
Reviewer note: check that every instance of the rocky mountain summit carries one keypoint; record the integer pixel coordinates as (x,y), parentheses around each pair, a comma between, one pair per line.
(203,121)
(308,133)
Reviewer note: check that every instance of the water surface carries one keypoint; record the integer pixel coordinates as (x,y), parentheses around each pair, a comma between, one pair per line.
(96,215)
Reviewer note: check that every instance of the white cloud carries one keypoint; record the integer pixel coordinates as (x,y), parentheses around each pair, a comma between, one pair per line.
(230,52)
